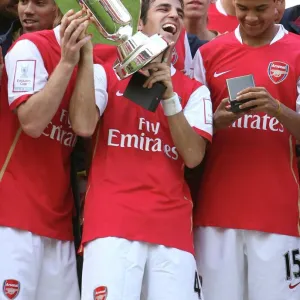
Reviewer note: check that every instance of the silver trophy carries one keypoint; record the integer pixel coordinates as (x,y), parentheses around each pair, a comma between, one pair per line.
(115,23)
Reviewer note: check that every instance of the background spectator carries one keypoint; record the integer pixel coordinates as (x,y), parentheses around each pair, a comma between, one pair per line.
(221,16)
(195,19)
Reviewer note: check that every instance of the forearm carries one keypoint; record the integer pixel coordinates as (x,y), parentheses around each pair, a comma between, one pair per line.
(189,144)
(290,120)
(84,113)
(37,112)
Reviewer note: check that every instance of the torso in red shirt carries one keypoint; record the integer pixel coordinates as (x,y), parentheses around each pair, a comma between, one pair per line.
(136,185)
(251,178)
(219,21)
(35,172)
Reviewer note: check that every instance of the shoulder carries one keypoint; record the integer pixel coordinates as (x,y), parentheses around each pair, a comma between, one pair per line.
(185,86)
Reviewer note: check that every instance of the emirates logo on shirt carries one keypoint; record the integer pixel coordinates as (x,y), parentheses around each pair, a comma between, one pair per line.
(147,138)
(258,122)
(11,288)
(278,71)
(100,293)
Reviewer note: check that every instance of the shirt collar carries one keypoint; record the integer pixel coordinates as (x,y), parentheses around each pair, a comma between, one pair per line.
(280,34)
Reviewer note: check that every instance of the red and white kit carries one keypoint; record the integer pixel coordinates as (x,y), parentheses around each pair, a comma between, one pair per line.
(36,204)
(248,207)
(218,19)
(138,213)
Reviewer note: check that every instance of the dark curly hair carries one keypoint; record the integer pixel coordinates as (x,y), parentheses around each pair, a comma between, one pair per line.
(145,7)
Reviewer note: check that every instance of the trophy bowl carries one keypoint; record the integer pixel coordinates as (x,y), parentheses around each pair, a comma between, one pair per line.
(115,23)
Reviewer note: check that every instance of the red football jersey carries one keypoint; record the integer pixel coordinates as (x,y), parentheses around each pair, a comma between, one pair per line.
(219,21)
(251,178)
(136,187)
(35,172)
(181,56)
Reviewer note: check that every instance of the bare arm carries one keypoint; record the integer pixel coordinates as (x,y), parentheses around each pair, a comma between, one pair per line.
(84,114)
(264,102)
(36,113)
(190,145)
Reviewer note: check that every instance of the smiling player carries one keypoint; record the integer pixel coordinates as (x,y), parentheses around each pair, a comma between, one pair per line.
(247,240)
(137,236)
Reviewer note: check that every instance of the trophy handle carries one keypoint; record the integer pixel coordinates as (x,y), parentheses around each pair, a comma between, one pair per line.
(111,17)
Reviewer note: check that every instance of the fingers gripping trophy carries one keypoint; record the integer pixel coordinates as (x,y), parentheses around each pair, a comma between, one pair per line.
(116,22)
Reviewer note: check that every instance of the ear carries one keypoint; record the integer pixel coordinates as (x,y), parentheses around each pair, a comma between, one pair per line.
(140,25)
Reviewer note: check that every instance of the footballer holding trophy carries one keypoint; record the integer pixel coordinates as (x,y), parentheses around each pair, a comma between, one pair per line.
(116,22)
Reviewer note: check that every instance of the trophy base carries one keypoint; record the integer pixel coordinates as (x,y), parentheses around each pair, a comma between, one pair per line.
(137,52)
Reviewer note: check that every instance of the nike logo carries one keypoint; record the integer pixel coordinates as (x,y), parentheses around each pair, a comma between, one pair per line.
(293,286)
(119,94)
(220,74)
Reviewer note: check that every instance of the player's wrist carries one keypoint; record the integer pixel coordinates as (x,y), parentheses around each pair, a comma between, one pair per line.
(66,65)
(172,105)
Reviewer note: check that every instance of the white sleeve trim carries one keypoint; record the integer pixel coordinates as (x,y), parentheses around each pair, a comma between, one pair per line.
(25,69)
(100,82)
(298,97)
(199,72)
(198,110)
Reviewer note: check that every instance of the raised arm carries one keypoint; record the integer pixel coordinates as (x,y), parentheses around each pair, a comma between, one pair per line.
(188,128)
(37,99)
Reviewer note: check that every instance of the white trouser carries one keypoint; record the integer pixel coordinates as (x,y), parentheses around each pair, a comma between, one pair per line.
(36,268)
(247,265)
(119,269)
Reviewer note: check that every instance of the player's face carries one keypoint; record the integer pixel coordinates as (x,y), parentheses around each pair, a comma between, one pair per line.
(255,16)
(164,17)
(37,14)
(194,9)
(280,10)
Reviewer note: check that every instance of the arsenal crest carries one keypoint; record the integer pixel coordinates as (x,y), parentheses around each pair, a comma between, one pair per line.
(174,57)
(11,288)
(100,293)
(278,71)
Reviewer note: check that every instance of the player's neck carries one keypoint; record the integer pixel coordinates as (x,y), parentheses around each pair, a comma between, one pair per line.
(198,27)
(262,40)
(228,7)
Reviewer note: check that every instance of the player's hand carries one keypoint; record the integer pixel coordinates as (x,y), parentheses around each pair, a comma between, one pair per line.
(87,48)
(161,72)
(1,63)
(263,101)
(73,37)
(223,117)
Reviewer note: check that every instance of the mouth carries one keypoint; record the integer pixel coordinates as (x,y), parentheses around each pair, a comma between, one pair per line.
(194,2)
(170,28)
(29,21)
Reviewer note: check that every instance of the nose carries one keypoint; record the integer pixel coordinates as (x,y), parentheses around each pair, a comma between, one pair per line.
(29,8)
(251,17)
(173,13)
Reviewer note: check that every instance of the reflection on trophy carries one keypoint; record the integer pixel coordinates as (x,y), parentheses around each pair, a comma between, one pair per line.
(115,23)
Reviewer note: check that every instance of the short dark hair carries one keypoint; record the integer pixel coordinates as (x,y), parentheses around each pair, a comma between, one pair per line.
(145,8)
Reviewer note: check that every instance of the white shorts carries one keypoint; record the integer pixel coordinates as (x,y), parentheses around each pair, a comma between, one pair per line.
(247,265)
(36,268)
(119,269)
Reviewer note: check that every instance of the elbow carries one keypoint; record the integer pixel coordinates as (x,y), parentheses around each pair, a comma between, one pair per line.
(83,132)
(32,130)
(192,161)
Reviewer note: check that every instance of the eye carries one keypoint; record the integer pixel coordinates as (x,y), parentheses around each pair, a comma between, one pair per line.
(163,9)
(261,9)
(242,8)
